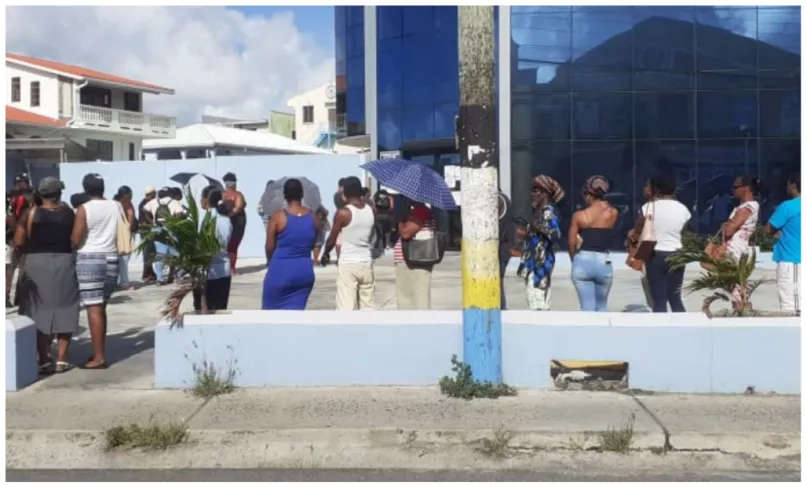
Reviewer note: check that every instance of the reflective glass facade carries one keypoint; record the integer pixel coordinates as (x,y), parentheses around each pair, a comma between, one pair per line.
(418,79)
(627,92)
(349,55)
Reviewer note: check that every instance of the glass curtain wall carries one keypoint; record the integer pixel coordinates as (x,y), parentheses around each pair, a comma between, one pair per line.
(349,55)
(706,93)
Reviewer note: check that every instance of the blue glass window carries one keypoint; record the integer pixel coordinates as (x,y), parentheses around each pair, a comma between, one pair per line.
(389,130)
(665,115)
(602,115)
(444,116)
(390,73)
(418,20)
(727,114)
(390,22)
(780,114)
(418,123)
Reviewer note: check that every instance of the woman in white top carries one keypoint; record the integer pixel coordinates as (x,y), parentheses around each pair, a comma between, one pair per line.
(742,222)
(670,217)
(95,234)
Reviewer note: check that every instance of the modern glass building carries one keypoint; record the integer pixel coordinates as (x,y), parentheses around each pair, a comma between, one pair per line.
(706,93)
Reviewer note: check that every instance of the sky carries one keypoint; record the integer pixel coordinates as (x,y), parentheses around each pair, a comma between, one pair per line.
(236,62)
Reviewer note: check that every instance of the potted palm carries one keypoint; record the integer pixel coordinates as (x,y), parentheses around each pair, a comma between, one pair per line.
(196,242)
(720,276)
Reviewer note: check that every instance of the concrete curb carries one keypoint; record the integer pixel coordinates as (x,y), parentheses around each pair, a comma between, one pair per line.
(380,448)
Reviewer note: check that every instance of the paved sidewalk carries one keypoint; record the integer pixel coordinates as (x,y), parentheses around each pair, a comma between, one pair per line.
(395,427)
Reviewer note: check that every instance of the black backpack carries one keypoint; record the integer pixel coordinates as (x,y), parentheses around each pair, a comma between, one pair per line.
(162,213)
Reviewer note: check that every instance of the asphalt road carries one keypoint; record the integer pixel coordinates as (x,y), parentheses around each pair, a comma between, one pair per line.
(398,475)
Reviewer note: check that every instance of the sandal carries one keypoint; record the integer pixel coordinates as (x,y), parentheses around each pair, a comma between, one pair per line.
(46,368)
(62,366)
(100,366)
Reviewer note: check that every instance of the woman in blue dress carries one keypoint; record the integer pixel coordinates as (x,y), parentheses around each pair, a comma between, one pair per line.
(538,258)
(290,236)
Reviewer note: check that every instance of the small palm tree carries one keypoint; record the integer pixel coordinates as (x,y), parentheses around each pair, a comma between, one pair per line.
(721,276)
(196,242)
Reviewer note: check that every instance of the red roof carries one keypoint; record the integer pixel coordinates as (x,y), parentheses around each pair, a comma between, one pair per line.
(83,72)
(16,115)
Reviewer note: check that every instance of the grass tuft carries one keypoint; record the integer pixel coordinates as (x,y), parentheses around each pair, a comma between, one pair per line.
(463,385)
(618,439)
(152,436)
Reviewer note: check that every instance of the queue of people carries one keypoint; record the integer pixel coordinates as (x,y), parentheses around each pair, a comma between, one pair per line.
(70,259)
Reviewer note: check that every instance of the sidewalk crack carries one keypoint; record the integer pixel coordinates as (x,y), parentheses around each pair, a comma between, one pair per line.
(198,409)
(667,447)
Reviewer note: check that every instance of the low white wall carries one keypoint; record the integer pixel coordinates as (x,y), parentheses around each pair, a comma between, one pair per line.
(21,361)
(666,352)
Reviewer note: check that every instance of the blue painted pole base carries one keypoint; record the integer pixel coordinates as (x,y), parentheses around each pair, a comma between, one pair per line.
(482,343)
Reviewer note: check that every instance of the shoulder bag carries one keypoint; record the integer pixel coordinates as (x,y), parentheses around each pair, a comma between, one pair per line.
(123,238)
(642,251)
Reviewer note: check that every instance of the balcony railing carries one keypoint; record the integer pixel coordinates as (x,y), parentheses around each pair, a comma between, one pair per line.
(121,121)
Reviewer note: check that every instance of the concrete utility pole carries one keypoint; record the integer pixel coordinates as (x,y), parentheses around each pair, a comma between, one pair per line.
(481,314)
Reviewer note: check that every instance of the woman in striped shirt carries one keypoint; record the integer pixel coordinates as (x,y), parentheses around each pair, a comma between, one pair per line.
(413,284)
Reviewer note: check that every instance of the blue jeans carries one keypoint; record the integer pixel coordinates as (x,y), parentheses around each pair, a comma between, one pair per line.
(161,250)
(592,276)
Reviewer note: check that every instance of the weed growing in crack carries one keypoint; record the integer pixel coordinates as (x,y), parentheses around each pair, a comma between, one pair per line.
(497,445)
(152,436)
(618,440)
(464,386)
(211,381)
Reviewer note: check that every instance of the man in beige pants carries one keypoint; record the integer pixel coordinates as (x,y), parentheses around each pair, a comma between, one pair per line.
(354,224)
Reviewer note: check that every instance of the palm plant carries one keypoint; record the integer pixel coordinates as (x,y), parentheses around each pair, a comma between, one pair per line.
(722,276)
(196,242)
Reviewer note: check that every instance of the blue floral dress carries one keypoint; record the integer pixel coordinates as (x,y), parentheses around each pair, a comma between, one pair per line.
(538,257)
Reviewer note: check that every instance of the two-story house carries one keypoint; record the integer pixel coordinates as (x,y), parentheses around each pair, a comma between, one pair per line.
(57,112)
(315,116)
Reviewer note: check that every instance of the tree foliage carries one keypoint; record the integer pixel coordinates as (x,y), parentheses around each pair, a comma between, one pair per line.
(721,276)
(194,238)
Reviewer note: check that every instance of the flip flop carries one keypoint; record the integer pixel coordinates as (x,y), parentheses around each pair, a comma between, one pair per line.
(62,366)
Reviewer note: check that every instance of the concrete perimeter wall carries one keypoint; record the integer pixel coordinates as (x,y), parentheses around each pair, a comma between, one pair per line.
(252,171)
(666,352)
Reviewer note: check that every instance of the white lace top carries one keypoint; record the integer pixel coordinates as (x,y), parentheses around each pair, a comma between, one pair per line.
(738,243)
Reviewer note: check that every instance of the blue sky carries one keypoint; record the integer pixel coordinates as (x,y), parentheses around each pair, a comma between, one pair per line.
(316,21)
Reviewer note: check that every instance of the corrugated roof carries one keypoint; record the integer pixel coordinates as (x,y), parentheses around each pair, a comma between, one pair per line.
(207,136)
(16,115)
(86,73)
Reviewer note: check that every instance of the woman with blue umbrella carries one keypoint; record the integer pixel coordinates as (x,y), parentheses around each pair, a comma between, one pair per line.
(420,245)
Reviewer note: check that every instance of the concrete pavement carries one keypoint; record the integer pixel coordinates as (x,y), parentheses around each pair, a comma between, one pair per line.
(398,475)
(403,427)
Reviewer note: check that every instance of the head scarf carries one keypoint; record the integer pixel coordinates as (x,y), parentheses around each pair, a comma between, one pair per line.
(551,187)
(597,185)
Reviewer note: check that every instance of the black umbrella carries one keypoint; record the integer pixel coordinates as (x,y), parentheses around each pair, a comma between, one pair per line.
(185,177)
(272,199)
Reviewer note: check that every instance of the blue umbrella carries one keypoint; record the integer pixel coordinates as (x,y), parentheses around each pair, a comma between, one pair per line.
(415,181)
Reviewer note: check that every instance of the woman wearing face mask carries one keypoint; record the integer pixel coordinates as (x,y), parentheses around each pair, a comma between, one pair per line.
(742,222)
(590,235)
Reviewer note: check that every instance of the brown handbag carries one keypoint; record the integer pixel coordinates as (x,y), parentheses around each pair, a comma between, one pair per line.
(642,251)
(715,251)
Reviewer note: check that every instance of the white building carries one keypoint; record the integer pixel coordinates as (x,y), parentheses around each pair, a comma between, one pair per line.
(58,112)
(315,116)
(203,141)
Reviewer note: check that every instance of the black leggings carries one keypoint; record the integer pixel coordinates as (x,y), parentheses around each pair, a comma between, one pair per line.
(218,295)
(665,285)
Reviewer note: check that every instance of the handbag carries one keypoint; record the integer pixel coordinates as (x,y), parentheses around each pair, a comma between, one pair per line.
(715,251)
(426,248)
(123,237)
(642,251)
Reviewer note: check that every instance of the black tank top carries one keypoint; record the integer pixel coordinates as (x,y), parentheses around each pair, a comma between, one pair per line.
(596,239)
(50,231)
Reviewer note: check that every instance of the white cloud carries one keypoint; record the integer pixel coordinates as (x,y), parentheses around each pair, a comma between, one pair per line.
(219,61)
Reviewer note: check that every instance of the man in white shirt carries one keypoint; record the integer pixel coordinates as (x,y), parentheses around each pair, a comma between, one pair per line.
(354,224)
